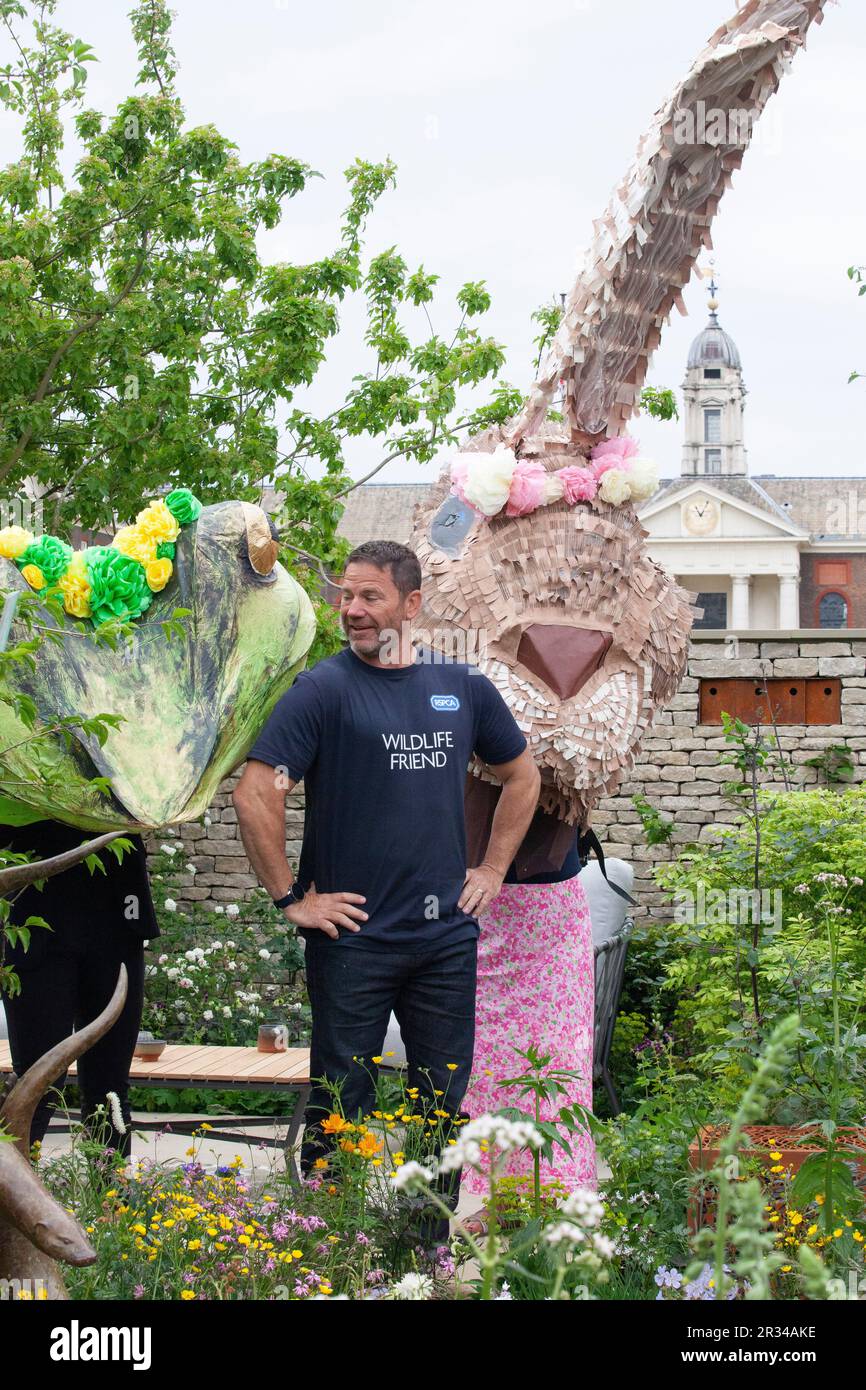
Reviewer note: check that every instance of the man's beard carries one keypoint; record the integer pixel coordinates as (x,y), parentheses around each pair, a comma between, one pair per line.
(367,639)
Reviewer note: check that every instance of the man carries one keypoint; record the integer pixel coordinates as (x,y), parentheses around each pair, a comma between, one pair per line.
(383,898)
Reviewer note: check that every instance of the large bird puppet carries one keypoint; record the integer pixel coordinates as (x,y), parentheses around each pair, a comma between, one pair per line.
(533,554)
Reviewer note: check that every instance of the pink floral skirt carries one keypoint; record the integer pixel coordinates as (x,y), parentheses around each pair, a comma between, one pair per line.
(536,977)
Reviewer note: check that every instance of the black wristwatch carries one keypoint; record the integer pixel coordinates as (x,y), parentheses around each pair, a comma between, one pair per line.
(296,894)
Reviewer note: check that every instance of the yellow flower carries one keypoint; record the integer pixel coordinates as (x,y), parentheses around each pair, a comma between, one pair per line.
(376,1059)
(786,1269)
(452,1066)
(775,1157)
(14,540)
(156,520)
(795,1218)
(194,1245)
(158,573)
(858,1236)
(297,1254)
(812,1229)
(837,1233)
(243,1240)
(34,576)
(187,1294)
(777,1168)
(136,544)
(320,1163)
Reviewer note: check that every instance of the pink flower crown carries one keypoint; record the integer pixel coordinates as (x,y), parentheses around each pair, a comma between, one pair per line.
(616,473)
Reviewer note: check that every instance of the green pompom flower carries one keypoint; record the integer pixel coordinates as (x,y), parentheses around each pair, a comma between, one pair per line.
(50,554)
(118,585)
(165,550)
(183,505)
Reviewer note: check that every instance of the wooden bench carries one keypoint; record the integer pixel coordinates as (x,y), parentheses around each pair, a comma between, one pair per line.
(185,1065)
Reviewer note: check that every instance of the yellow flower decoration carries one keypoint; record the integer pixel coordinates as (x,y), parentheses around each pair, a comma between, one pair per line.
(155,520)
(75,587)
(34,576)
(158,573)
(13,541)
(135,543)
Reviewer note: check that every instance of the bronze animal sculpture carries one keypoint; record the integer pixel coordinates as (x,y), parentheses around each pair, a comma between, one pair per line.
(36,1233)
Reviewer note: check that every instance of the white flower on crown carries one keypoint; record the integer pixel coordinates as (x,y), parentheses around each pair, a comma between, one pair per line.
(643,478)
(488,479)
(553,488)
(615,487)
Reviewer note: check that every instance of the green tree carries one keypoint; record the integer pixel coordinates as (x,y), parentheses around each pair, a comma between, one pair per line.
(143,340)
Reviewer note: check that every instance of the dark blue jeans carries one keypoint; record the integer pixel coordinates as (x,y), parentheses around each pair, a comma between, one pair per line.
(353,990)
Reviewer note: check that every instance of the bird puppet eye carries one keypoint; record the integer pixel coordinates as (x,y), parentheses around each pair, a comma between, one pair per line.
(451,525)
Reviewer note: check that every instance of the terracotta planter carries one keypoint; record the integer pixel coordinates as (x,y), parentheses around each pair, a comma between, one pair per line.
(757,1142)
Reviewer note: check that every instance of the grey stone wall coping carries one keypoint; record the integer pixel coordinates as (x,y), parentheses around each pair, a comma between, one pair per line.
(797,634)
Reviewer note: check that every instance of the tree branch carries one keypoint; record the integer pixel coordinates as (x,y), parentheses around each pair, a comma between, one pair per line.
(65,346)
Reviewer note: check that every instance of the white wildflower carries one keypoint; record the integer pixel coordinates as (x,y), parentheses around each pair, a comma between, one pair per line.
(170,905)
(264,955)
(169,849)
(227,1013)
(232,910)
(416,1287)
(489,1134)
(207,1015)
(410,1175)
(114,1107)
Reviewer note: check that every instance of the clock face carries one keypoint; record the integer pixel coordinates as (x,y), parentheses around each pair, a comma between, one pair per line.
(701,516)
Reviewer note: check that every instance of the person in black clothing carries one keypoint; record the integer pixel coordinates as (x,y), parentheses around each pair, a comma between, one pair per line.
(98,922)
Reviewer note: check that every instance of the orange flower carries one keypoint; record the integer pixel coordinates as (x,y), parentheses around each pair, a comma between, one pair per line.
(369,1146)
(335,1124)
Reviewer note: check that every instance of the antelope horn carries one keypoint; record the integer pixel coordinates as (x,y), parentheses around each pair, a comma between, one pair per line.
(29,1207)
(21,875)
(17,1111)
(262,549)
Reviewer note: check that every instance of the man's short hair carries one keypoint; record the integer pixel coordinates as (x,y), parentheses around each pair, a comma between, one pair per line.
(399,560)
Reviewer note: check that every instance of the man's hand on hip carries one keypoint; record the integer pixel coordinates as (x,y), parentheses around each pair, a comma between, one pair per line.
(479,889)
(326,912)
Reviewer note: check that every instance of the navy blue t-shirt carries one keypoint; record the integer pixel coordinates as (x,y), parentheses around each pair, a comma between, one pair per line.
(383,754)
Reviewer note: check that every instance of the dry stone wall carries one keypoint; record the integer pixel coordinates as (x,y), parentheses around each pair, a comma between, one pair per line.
(679,771)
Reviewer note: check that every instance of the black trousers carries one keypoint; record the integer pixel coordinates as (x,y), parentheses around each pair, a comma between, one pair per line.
(353,991)
(67,990)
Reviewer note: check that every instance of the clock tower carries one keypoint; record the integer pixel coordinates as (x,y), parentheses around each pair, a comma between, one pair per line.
(714,397)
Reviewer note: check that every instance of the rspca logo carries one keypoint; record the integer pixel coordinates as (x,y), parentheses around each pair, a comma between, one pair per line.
(444,702)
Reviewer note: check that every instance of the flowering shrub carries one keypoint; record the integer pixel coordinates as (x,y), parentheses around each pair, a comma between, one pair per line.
(213,976)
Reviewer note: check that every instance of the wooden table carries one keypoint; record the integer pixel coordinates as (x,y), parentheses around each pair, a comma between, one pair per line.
(219,1068)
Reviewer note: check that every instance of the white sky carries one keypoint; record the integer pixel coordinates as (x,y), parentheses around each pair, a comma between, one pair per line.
(510,122)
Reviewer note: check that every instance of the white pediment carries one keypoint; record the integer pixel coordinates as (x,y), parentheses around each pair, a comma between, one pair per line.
(704,512)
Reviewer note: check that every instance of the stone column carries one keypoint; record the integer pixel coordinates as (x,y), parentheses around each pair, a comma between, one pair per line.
(740,586)
(789,602)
